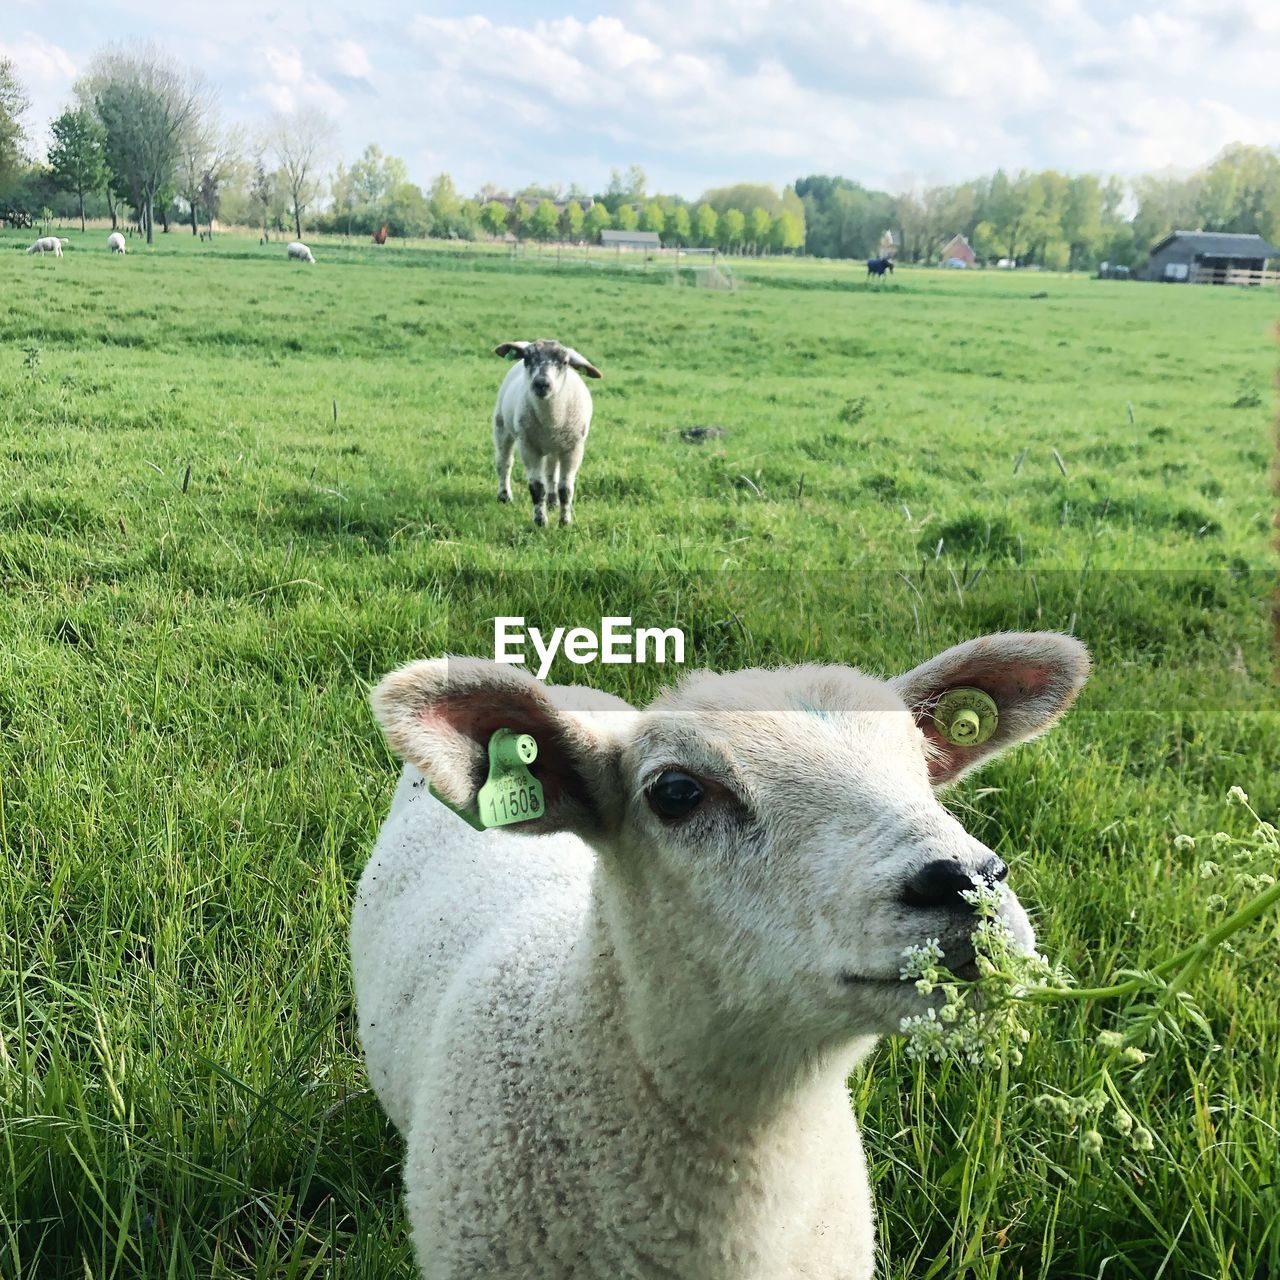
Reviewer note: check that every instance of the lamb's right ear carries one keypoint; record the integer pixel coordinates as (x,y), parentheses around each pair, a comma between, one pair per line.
(508,347)
(580,362)
(439,716)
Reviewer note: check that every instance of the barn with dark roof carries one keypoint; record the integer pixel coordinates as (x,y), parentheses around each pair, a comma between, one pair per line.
(1211,257)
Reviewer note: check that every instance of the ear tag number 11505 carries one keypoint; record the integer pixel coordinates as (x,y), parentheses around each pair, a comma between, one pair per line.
(511,793)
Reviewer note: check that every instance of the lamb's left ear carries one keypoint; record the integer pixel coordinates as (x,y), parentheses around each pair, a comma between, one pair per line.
(1032,677)
(508,347)
(583,365)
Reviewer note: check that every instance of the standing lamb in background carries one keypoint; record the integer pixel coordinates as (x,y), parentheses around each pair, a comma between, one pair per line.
(115,242)
(48,244)
(545,408)
(300,251)
(616,1039)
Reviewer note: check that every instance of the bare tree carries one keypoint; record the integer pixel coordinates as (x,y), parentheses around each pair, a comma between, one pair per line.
(147,103)
(300,143)
(207,157)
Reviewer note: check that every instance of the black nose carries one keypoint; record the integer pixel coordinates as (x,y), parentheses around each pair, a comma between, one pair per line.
(541,386)
(941,882)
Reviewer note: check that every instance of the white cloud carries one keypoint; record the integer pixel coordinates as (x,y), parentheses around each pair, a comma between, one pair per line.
(706,91)
(288,84)
(47,72)
(350,59)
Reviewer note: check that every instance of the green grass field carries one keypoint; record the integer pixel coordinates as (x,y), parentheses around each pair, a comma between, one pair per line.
(203,563)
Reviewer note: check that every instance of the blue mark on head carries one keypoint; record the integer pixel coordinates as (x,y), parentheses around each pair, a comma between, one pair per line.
(811,709)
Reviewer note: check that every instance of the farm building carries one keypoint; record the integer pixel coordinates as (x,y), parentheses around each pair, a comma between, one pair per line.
(1212,257)
(646,241)
(957,252)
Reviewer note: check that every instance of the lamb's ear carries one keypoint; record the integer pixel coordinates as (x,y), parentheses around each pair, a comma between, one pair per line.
(583,365)
(508,347)
(439,716)
(1032,677)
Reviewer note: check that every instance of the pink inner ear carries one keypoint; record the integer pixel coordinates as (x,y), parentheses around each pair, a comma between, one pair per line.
(478,717)
(1006,684)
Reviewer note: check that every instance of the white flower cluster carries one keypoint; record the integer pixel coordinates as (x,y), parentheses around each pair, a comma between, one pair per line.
(976,1022)
(1087,1110)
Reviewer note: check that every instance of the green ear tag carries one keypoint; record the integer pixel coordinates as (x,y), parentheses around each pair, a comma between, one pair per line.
(966,717)
(511,793)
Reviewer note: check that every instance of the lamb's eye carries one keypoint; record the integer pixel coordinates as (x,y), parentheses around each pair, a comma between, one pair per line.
(674,794)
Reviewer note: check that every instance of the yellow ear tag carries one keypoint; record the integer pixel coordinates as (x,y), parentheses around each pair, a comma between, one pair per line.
(511,793)
(966,717)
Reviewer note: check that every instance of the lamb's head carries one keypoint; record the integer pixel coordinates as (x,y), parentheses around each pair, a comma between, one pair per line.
(547,363)
(773,837)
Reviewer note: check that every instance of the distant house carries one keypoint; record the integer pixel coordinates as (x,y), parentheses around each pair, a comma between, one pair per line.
(1210,257)
(646,241)
(957,252)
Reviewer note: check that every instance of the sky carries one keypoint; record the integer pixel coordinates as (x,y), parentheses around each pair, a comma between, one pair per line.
(700,93)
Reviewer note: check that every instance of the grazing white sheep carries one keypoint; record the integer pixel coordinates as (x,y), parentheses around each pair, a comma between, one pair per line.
(115,242)
(48,244)
(299,251)
(545,408)
(616,1039)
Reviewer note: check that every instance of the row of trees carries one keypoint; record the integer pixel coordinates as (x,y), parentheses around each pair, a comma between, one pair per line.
(1048,218)
(375,191)
(146,133)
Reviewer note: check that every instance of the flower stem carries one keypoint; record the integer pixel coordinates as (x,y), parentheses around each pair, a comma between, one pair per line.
(1196,953)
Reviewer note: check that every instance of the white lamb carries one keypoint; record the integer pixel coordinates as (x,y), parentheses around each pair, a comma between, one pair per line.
(616,1039)
(299,251)
(545,408)
(48,244)
(115,242)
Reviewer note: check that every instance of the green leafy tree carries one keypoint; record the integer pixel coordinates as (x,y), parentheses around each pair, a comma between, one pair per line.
(758,224)
(786,232)
(493,217)
(744,195)
(572,221)
(1240,191)
(545,221)
(842,219)
(77,154)
(469,219)
(625,217)
(1081,221)
(445,208)
(146,103)
(406,212)
(679,225)
(598,219)
(653,218)
(518,217)
(374,175)
(706,225)
(1164,204)
(733,227)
